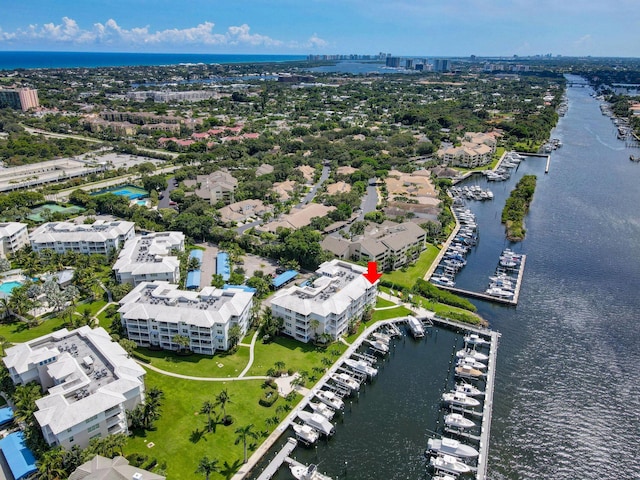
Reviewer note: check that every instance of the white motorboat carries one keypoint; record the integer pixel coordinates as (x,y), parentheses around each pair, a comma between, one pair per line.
(458,399)
(416,326)
(317,421)
(361,366)
(378,346)
(443,280)
(471,362)
(468,389)
(457,420)
(469,352)
(499,292)
(306,434)
(304,472)
(444,476)
(450,446)
(322,409)
(330,399)
(383,337)
(346,380)
(467,371)
(450,464)
(475,339)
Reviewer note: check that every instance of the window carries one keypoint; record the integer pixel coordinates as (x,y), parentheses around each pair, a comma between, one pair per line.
(70,439)
(93,427)
(89,420)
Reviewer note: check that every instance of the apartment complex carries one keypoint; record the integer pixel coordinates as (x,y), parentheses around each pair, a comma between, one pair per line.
(476,149)
(391,245)
(90,383)
(338,294)
(154,313)
(99,237)
(146,258)
(117,468)
(19,98)
(215,187)
(13,236)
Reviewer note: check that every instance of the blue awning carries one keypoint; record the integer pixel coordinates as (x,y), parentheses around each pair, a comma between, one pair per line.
(193,279)
(284,278)
(6,415)
(196,254)
(244,288)
(19,458)
(222,265)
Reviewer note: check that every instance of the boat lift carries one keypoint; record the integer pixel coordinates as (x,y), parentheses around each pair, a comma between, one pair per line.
(365,357)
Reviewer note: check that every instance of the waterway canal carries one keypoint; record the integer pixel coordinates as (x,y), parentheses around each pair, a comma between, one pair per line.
(567,399)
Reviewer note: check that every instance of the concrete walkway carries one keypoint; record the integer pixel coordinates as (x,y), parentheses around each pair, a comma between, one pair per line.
(201,379)
(250,362)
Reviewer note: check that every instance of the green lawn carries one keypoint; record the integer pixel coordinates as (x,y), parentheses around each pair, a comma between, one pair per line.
(18,332)
(408,277)
(295,355)
(93,307)
(382,303)
(180,438)
(218,366)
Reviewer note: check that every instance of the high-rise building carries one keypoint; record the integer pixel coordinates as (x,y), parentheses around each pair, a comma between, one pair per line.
(393,62)
(19,98)
(442,65)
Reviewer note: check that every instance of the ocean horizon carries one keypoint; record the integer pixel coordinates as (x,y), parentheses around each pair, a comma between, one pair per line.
(14,60)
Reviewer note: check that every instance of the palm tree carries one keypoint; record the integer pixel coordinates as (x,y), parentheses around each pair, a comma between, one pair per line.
(207,466)
(51,465)
(279,365)
(242,434)
(25,398)
(235,332)
(182,341)
(207,407)
(4,343)
(314,324)
(222,399)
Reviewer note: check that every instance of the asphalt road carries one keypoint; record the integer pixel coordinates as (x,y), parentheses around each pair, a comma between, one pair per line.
(369,201)
(164,201)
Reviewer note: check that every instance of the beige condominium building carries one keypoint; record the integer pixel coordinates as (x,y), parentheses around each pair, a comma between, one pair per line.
(13,236)
(99,237)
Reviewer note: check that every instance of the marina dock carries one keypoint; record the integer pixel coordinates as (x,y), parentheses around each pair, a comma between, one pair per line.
(280,458)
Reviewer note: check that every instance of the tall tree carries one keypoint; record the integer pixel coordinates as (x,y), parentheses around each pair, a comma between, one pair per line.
(207,466)
(222,399)
(244,433)
(208,409)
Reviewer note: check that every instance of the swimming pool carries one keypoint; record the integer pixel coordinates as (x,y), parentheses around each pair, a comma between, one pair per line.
(7,287)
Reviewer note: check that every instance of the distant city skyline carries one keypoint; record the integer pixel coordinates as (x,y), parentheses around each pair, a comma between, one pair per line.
(400,27)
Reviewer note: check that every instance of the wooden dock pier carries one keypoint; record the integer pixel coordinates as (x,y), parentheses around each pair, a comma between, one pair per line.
(279,459)
(546,168)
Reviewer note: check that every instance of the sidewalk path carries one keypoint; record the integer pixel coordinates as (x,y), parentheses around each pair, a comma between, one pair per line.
(250,362)
(201,379)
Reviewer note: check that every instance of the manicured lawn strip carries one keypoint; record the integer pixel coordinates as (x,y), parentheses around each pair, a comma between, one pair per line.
(399,311)
(18,332)
(93,307)
(383,302)
(198,365)
(408,277)
(295,355)
(183,399)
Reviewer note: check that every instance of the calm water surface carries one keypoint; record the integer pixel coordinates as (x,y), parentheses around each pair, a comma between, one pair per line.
(567,399)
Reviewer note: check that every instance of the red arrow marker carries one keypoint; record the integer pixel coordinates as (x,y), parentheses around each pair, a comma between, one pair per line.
(372,275)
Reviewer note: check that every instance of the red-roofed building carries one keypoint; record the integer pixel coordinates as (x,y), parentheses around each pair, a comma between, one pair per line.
(251,135)
(200,136)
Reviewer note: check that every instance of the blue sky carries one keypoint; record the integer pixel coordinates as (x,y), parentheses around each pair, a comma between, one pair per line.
(400,27)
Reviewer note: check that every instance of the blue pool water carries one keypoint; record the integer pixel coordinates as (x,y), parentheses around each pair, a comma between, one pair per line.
(7,287)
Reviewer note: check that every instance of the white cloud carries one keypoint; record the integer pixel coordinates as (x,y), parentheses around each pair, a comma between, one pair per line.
(110,33)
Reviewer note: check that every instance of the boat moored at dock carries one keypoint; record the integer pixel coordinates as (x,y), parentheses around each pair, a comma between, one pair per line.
(469,352)
(450,446)
(318,422)
(450,464)
(361,366)
(458,399)
(330,399)
(306,434)
(304,472)
(467,371)
(345,380)
(323,409)
(457,420)
(415,326)
(468,389)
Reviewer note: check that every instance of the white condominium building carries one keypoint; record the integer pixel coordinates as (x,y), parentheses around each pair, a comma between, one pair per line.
(99,237)
(150,257)
(13,236)
(154,313)
(90,382)
(340,294)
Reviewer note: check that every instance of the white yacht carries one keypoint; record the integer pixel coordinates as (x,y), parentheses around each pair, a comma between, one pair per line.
(346,380)
(467,371)
(304,472)
(449,446)
(457,420)
(469,352)
(416,326)
(471,362)
(317,421)
(306,434)
(475,339)
(330,399)
(459,399)
(468,389)
(499,292)
(383,337)
(361,366)
(443,280)
(378,346)
(450,464)
(323,409)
